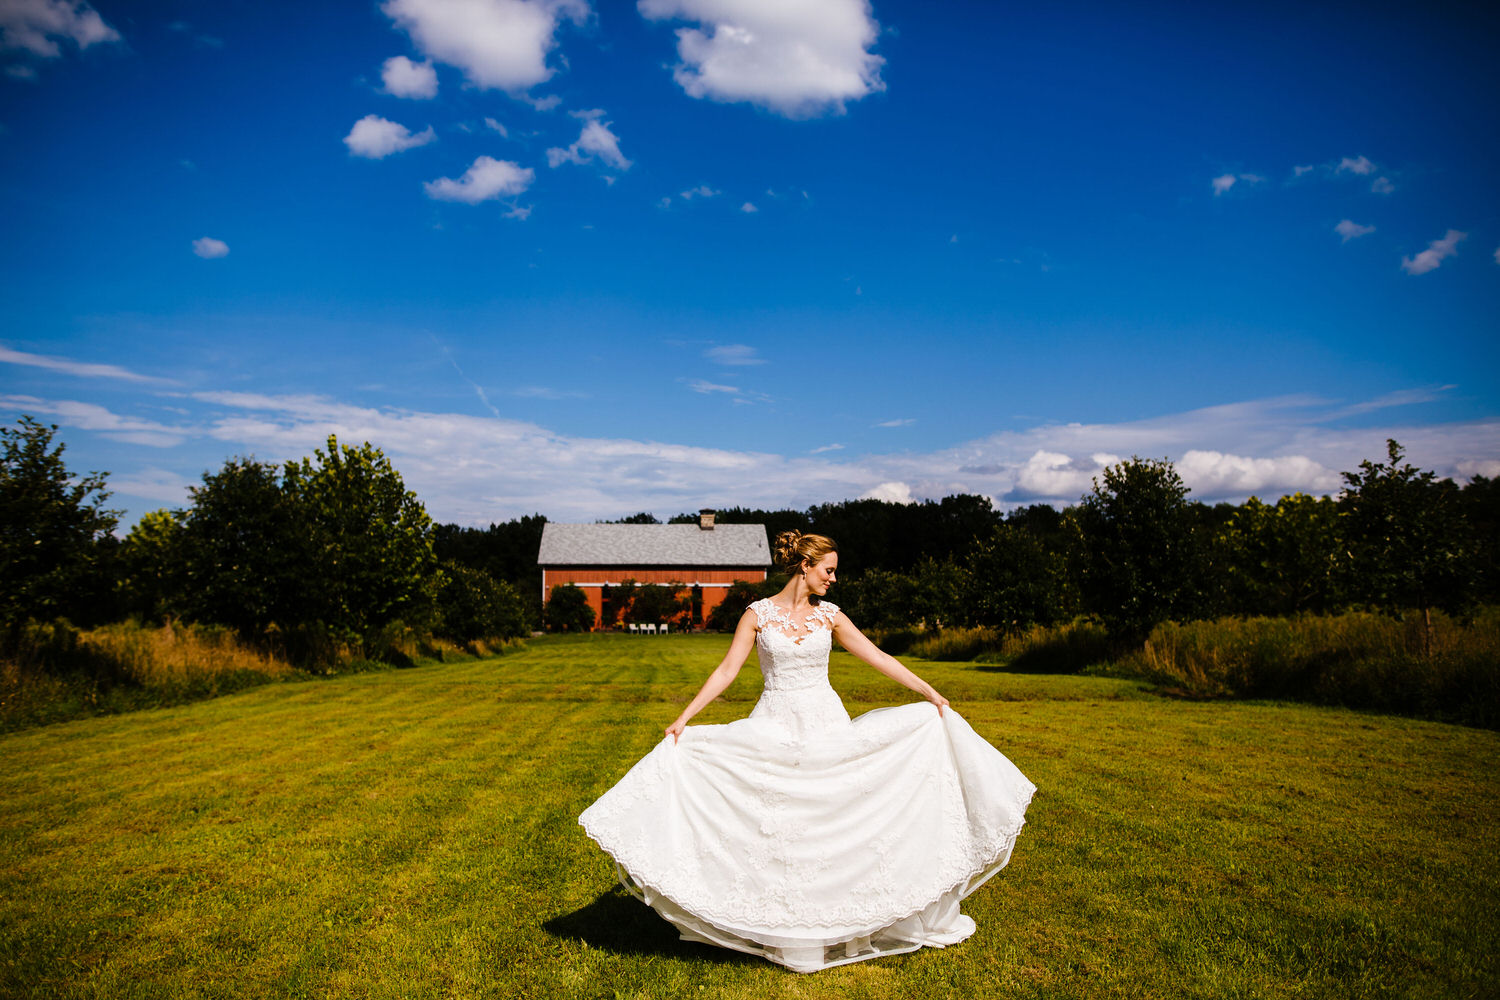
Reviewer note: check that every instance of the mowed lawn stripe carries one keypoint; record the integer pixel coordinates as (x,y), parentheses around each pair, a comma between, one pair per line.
(413,834)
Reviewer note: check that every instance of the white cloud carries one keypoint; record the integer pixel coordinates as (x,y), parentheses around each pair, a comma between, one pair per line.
(1400,397)
(498,44)
(701,191)
(1224,182)
(748,208)
(1437,251)
(900,422)
(83,369)
(1497,255)
(596,140)
(374,138)
(475,468)
(208,248)
(1215,474)
(93,417)
(704,386)
(1298,171)
(1351,230)
(826,448)
(1355,165)
(799,59)
(1488,468)
(404,78)
(495,126)
(36,26)
(892,492)
(733,354)
(1050,474)
(486,178)
(521,212)
(1382,185)
(154,484)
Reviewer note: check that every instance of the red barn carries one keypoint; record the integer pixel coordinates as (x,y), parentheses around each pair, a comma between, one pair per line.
(705,557)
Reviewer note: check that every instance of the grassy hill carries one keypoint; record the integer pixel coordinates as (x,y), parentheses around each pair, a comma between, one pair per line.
(412,834)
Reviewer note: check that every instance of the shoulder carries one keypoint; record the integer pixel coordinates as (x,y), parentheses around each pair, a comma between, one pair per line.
(828,612)
(762,610)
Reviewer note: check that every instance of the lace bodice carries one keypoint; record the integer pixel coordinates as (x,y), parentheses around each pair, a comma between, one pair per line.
(794,663)
(793,654)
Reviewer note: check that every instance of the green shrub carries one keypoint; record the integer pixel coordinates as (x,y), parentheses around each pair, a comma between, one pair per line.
(568,610)
(474,605)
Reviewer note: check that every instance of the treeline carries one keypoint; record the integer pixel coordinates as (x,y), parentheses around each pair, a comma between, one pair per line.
(318,562)
(1137,551)
(332,553)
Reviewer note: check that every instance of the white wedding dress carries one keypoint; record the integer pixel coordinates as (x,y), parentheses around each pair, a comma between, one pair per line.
(808,838)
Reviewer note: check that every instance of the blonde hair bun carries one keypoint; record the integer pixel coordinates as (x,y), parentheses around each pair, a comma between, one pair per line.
(793,548)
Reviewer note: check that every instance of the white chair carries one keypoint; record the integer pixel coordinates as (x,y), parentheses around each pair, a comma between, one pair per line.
(649,629)
(663,629)
(634,628)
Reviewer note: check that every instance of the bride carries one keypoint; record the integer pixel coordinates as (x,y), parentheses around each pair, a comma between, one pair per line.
(798,834)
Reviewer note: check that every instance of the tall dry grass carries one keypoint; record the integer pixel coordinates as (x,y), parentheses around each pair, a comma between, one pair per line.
(178,655)
(52,671)
(1040,649)
(1356,659)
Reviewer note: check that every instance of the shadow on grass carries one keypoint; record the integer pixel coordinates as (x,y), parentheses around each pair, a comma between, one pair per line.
(616,921)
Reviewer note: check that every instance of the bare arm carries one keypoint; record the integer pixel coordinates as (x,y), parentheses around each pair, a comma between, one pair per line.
(723,675)
(856,642)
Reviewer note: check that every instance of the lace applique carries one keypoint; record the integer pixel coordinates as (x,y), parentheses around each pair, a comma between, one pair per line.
(821,617)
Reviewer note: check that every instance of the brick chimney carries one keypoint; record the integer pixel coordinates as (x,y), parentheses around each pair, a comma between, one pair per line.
(706,519)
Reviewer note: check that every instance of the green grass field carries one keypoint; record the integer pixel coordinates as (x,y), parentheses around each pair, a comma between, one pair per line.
(412,834)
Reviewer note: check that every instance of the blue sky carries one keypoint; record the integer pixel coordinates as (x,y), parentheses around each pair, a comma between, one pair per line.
(593,258)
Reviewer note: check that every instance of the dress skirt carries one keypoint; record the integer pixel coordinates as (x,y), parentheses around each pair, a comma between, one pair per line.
(815,844)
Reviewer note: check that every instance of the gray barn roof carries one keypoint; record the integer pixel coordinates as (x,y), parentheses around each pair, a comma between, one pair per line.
(653,545)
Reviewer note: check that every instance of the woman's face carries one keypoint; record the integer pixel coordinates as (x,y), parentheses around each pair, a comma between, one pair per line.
(820,575)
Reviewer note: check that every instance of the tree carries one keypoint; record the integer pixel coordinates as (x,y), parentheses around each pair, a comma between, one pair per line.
(1480,501)
(1282,558)
(51,526)
(474,605)
(1139,561)
(617,601)
(879,599)
(249,561)
(656,603)
(1013,581)
(1405,532)
(153,566)
(370,558)
(568,610)
(506,551)
(740,594)
(776,521)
